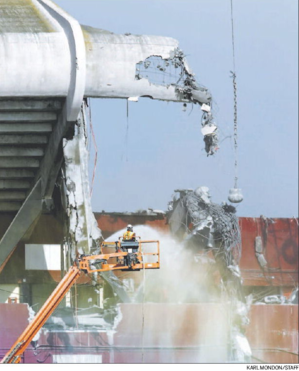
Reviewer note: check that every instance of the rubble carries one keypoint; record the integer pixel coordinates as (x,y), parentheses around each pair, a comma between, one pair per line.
(294,297)
(85,318)
(206,226)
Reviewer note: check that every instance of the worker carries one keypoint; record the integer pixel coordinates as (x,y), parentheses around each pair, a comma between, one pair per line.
(129,235)
(130,245)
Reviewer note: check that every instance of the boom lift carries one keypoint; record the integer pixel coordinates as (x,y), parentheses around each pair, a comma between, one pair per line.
(130,260)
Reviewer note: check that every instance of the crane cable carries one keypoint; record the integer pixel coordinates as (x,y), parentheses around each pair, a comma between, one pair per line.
(235,99)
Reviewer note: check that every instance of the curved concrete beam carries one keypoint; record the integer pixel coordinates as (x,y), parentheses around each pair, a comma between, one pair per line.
(34,54)
(63,59)
(76,43)
(124,66)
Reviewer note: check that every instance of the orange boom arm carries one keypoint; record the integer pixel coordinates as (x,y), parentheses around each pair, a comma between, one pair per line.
(86,264)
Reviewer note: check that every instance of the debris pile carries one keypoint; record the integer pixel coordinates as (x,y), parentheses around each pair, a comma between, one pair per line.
(206,226)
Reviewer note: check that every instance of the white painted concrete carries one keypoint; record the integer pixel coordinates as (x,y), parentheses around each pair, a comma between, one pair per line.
(73,32)
(42,257)
(9,291)
(69,60)
(77,358)
(83,227)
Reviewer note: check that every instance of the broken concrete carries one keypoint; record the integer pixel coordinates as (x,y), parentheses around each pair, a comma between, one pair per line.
(136,60)
(209,130)
(205,226)
(83,232)
(172,71)
(63,62)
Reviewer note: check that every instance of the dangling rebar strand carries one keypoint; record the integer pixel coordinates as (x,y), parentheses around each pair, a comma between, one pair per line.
(235,99)
(95,147)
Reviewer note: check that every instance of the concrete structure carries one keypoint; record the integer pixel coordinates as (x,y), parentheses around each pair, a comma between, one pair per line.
(48,64)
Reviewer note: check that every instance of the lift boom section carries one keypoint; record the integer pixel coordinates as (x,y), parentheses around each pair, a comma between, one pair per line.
(130,260)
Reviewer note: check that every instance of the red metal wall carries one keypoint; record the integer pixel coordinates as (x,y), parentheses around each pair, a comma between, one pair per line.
(164,333)
(279,236)
(273,333)
(110,223)
(280,242)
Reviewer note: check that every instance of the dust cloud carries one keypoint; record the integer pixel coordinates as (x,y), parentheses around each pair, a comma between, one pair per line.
(179,303)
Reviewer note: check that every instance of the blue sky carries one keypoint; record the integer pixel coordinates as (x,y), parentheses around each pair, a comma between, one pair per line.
(165,148)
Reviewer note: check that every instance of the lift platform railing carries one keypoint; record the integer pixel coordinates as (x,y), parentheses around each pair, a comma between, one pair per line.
(86,264)
(102,262)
